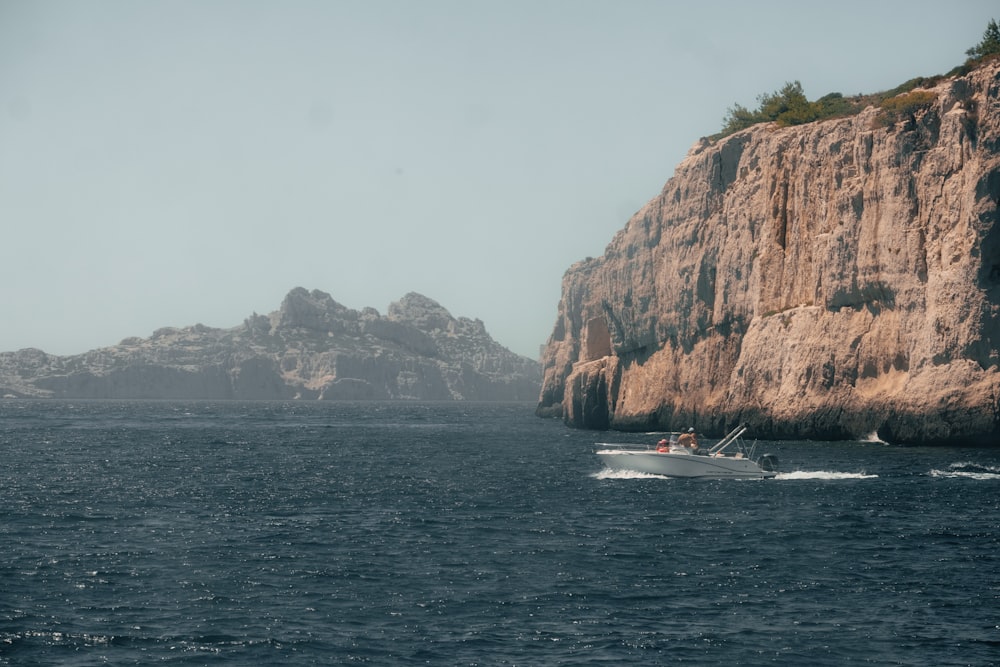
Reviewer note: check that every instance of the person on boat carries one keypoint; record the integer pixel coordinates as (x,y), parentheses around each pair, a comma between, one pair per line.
(663,446)
(689,441)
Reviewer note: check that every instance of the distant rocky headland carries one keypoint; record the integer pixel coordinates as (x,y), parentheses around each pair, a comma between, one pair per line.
(833,280)
(311,348)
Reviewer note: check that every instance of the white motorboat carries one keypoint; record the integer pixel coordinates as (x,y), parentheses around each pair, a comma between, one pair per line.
(730,457)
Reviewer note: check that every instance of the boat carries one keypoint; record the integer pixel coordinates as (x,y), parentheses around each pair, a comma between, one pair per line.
(731,457)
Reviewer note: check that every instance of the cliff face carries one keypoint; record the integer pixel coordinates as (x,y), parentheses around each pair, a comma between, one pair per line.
(311,348)
(825,281)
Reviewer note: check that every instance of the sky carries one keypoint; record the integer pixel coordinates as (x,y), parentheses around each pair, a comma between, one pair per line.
(174,162)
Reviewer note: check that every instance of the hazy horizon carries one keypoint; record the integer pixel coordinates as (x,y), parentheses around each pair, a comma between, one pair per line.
(173,163)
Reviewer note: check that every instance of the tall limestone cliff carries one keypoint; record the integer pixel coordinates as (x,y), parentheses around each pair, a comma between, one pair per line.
(311,348)
(829,281)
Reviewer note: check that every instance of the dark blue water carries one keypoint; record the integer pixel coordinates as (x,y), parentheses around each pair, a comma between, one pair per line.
(472,534)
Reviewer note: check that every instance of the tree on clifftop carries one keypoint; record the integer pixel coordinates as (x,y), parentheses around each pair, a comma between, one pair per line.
(990,44)
(788,106)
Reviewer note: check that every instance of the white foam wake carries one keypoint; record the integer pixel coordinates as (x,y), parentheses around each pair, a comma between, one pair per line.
(824,474)
(608,473)
(968,470)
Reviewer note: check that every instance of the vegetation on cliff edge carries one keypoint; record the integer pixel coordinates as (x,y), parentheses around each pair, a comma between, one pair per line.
(790,106)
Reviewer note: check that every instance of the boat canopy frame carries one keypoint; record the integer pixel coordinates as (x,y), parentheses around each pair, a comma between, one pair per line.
(733,438)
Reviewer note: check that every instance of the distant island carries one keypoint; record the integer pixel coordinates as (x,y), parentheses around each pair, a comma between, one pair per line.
(311,348)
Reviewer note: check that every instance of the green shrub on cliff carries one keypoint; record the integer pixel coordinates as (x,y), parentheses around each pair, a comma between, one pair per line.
(789,106)
(900,107)
(834,105)
(739,118)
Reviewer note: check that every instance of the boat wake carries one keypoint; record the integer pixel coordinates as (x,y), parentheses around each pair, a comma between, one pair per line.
(824,474)
(968,470)
(608,473)
(962,470)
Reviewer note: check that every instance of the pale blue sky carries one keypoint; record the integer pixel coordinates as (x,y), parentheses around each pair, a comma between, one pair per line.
(166,163)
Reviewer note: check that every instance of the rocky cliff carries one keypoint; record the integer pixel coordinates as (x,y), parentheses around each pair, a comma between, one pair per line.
(830,281)
(311,348)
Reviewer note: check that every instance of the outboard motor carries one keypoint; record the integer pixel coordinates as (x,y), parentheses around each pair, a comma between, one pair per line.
(769,463)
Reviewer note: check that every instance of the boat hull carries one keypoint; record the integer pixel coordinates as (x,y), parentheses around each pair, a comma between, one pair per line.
(683,465)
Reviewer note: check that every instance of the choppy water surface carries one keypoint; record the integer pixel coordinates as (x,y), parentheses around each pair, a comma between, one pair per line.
(473,534)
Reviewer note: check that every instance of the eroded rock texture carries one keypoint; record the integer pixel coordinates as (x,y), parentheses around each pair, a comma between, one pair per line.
(826,281)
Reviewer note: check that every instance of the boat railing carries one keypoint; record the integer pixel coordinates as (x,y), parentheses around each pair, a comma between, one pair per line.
(733,437)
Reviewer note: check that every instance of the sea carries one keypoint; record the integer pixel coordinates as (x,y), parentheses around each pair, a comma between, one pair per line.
(339,533)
